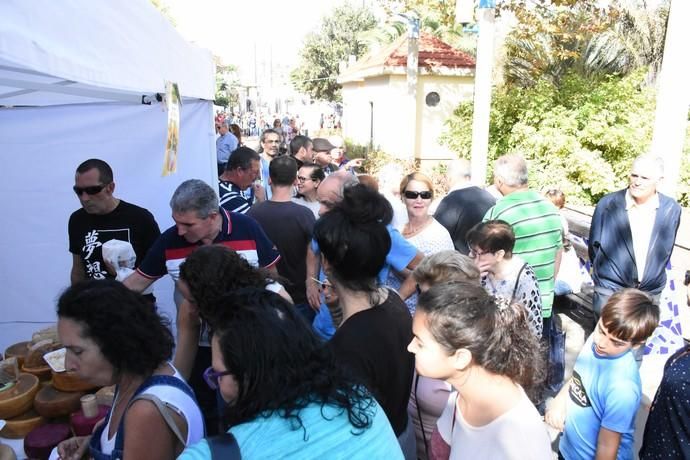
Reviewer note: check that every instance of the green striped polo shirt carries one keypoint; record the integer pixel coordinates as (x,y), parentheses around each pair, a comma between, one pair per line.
(537,226)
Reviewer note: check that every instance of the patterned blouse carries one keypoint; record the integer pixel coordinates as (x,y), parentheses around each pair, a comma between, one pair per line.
(521,287)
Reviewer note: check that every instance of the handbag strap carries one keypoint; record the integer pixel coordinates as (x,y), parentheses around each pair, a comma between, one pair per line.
(164,409)
(517,282)
(224,447)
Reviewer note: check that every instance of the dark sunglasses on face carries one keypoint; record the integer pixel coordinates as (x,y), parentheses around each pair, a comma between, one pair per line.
(426,195)
(211,377)
(90,190)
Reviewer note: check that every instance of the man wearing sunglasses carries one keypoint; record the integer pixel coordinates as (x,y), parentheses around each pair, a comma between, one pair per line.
(102,218)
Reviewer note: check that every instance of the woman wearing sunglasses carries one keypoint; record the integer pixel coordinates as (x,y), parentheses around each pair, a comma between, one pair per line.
(422,230)
(285,395)
(114,336)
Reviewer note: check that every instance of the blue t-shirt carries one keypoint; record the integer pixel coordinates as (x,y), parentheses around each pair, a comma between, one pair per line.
(402,252)
(238,232)
(604,392)
(329,434)
(225,145)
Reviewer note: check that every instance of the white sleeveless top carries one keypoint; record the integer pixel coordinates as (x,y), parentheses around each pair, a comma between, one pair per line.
(185,405)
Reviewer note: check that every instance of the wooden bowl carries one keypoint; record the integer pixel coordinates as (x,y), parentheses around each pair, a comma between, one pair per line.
(70,381)
(52,403)
(18,350)
(18,399)
(44,373)
(20,426)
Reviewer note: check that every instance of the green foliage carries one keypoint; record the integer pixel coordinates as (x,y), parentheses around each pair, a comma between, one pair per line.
(580,137)
(554,38)
(337,39)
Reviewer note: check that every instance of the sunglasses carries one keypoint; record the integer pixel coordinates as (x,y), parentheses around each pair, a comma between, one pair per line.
(211,377)
(303,179)
(426,195)
(90,190)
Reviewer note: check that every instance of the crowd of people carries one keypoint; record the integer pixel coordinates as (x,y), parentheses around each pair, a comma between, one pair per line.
(316,321)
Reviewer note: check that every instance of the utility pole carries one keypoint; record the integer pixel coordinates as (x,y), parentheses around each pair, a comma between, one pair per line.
(482,89)
(673,96)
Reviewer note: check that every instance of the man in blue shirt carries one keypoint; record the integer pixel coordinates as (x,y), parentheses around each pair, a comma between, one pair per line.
(225,145)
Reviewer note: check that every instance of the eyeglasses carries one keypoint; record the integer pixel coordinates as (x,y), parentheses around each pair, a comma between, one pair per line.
(410,195)
(269,141)
(303,179)
(90,190)
(474,255)
(211,377)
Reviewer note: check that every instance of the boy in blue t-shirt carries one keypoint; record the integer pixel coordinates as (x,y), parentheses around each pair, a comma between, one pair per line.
(596,409)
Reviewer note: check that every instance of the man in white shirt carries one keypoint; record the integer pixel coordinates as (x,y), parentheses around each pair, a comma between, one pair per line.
(632,234)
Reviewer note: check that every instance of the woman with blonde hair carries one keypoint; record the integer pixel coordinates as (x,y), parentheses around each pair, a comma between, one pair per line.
(421,230)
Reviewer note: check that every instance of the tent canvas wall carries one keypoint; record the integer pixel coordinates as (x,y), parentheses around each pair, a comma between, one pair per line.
(73,75)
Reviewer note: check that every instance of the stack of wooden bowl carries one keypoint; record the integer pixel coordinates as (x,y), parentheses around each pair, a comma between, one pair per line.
(41,396)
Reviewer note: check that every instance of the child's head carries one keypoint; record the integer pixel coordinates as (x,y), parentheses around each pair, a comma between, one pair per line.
(557,197)
(455,318)
(627,320)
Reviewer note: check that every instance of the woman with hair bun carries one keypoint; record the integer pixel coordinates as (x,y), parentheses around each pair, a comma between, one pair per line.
(482,347)
(376,326)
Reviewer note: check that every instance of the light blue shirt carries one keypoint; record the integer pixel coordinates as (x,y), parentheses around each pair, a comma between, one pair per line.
(604,392)
(327,433)
(402,252)
(225,145)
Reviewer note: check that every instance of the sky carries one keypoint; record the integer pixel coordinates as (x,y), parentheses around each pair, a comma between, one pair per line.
(232,30)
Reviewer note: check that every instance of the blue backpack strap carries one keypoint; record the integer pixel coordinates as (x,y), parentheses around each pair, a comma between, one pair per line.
(224,447)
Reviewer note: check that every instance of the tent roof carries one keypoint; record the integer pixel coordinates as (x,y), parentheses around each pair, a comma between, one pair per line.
(81,51)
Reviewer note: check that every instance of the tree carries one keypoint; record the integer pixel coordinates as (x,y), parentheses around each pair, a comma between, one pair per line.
(580,136)
(555,37)
(436,17)
(226,84)
(337,39)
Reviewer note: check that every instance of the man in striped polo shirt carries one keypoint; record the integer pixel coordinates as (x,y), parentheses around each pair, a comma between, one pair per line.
(536,224)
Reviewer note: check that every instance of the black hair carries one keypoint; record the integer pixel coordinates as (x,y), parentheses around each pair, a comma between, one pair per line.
(242,157)
(316,171)
(297,143)
(212,271)
(283,170)
(492,236)
(354,239)
(280,365)
(124,324)
(105,172)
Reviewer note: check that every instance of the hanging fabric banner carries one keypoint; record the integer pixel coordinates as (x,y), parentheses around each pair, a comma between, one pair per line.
(172,105)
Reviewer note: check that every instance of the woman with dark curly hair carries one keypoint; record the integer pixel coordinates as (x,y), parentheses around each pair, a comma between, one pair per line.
(376,326)
(482,347)
(114,336)
(286,396)
(206,275)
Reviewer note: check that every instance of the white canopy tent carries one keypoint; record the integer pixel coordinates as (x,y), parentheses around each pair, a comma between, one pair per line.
(79,79)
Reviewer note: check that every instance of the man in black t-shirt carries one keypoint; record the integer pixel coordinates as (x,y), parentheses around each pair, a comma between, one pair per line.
(103,218)
(464,206)
(289,225)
